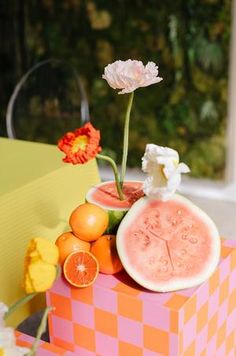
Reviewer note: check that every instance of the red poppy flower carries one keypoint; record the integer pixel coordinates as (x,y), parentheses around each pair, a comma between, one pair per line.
(81,145)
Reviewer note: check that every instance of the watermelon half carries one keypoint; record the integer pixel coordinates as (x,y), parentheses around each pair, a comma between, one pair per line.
(166,246)
(105,195)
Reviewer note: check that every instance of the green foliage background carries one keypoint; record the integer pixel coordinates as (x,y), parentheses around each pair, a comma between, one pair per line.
(188,39)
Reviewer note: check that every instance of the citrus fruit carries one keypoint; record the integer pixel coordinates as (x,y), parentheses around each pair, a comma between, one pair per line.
(88,221)
(166,246)
(104,249)
(105,195)
(67,243)
(81,269)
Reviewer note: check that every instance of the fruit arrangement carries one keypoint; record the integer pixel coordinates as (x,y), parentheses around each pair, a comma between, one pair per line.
(163,241)
(163,246)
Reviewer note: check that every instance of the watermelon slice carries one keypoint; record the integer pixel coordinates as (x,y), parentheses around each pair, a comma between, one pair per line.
(166,246)
(105,195)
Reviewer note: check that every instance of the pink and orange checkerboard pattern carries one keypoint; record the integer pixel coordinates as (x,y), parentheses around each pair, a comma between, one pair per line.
(44,349)
(117,317)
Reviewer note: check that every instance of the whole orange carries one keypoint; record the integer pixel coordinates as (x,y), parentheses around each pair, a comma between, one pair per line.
(89,221)
(68,243)
(104,249)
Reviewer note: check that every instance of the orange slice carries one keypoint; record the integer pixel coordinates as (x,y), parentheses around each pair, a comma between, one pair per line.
(81,269)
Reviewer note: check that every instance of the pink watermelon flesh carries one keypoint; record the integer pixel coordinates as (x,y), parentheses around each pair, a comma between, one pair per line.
(168,245)
(106,194)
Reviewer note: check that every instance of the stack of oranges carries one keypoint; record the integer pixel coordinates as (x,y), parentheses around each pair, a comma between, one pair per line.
(85,250)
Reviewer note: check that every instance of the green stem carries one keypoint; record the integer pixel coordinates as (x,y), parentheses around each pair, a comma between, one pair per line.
(40,331)
(126,138)
(19,303)
(116,174)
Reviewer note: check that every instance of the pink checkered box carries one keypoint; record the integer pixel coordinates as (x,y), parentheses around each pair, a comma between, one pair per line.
(44,349)
(115,316)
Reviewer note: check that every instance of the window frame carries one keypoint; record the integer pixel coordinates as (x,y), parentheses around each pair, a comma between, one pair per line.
(225,189)
(231,122)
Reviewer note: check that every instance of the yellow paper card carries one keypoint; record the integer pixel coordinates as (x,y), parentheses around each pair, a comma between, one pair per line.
(40,207)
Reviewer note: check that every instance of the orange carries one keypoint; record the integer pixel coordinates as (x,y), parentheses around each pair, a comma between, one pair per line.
(104,249)
(89,221)
(81,269)
(67,243)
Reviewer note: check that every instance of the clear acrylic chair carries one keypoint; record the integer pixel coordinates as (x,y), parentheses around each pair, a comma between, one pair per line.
(49,100)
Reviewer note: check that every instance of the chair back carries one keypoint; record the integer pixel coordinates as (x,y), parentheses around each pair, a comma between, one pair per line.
(49,100)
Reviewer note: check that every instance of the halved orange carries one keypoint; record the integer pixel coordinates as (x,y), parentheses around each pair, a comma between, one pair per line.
(81,269)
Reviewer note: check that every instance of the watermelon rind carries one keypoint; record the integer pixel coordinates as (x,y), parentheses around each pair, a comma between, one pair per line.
(115,214)
(177,283)
(115,217)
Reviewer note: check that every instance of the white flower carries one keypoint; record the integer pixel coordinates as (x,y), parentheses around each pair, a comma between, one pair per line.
(8,343)
(130,75)
(7,337)
(164,171)
(14,351)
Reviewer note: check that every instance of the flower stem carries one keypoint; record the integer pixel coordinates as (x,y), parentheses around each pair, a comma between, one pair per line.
(116,174)
(126,138)
(19,303)
(40,331)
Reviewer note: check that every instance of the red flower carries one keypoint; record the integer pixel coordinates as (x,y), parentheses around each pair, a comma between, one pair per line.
(81,145)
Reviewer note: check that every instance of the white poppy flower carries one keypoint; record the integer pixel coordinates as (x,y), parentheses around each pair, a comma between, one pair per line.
(8,343)
(130,75)
(164,171)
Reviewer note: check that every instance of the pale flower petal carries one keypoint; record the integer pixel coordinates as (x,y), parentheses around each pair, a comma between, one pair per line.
(183,168)
(8,343)
(164,171)
(130,75)
(7,337)
(15,351)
